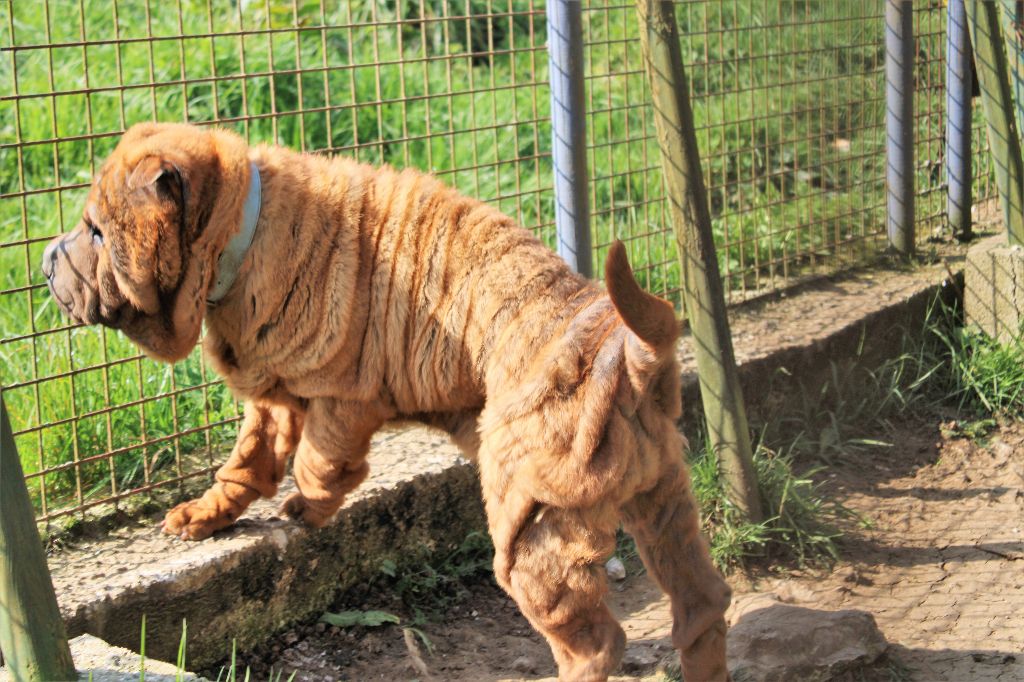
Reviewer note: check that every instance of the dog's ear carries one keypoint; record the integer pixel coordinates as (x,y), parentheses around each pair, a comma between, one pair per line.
(147,249)
(159,175)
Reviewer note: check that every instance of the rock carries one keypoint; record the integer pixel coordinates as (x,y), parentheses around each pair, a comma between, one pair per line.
(639,660)
(781,642)
(525,665)
(615,568)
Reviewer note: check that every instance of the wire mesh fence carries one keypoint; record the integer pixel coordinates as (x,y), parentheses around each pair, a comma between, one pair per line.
(788,97)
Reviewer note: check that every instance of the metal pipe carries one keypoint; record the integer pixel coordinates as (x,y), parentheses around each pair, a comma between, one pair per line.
(569,134)
(899,124)
(958,121)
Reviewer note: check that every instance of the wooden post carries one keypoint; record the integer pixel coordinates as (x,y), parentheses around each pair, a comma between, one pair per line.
(1013,30)
(1003,140)
(702,285)
(32,634)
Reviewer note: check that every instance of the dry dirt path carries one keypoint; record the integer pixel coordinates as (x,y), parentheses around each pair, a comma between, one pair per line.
(938,558)
(942,567)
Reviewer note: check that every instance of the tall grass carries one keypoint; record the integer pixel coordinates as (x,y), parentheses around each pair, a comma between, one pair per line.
(799,523)
(985,377)
(787,97)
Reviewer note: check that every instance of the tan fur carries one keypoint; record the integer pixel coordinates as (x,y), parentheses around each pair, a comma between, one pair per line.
(376,294)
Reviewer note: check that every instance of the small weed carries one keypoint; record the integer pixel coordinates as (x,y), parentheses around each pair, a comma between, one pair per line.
(431,587)
(944,366)
(625,547)
(179,663)
(227,674)
(373,619)
(142,651)
(422,636)
(958,365)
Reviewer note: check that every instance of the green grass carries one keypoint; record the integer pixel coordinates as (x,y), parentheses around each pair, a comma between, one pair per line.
(229,673)
(792,147)
(985,377)
(799,519)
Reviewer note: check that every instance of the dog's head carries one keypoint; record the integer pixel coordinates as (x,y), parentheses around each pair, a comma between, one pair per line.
(159,211)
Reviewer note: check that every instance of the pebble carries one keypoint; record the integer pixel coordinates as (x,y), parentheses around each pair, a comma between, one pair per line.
(615,568)
(525,664)
(638,661)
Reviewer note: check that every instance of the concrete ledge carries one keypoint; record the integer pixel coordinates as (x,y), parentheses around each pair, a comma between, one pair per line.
(795,343)
(265,574)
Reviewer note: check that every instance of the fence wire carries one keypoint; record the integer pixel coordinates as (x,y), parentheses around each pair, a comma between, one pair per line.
(788,97)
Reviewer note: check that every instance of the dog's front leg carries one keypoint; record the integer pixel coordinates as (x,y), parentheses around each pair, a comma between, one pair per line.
(330,461)
(267,438)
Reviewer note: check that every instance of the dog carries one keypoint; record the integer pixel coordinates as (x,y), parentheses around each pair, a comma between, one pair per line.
(338,296)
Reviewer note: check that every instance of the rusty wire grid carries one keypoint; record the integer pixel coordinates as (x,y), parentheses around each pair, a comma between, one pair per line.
(789,103)
(788,95)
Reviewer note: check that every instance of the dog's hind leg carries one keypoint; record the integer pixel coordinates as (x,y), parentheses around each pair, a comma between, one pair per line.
(551,561)
(666,526)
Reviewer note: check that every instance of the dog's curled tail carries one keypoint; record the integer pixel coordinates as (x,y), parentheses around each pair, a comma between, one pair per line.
(652,319)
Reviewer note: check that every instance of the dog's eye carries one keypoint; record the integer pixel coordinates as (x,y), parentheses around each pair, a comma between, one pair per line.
(97,235)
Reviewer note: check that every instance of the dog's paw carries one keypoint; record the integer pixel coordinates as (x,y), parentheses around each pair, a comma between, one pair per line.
(298,507)
(195,520)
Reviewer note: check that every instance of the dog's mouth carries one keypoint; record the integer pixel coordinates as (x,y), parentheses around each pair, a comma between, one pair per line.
(66,307)
(92,311)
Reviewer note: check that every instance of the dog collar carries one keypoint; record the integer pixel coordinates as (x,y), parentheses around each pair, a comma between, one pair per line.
(230,260)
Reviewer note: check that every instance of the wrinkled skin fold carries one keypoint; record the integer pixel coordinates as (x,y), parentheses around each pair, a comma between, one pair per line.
(372,294)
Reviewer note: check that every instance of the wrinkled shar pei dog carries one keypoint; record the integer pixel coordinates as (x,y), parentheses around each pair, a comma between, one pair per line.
(338,296)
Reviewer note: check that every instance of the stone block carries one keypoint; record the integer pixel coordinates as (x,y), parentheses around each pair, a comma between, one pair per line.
(994,289)
(97,661)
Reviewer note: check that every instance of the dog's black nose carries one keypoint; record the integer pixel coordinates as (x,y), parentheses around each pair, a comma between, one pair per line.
(50,258)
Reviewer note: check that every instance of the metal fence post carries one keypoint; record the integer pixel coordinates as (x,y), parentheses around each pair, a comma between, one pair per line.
(32,633)
(569,134)
(958,121)
(1003,141)
(899,124)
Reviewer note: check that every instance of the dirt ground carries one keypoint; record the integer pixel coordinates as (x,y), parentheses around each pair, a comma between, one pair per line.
(936,554)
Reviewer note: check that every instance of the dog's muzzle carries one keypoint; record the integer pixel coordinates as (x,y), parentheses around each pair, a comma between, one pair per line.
(61,278)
